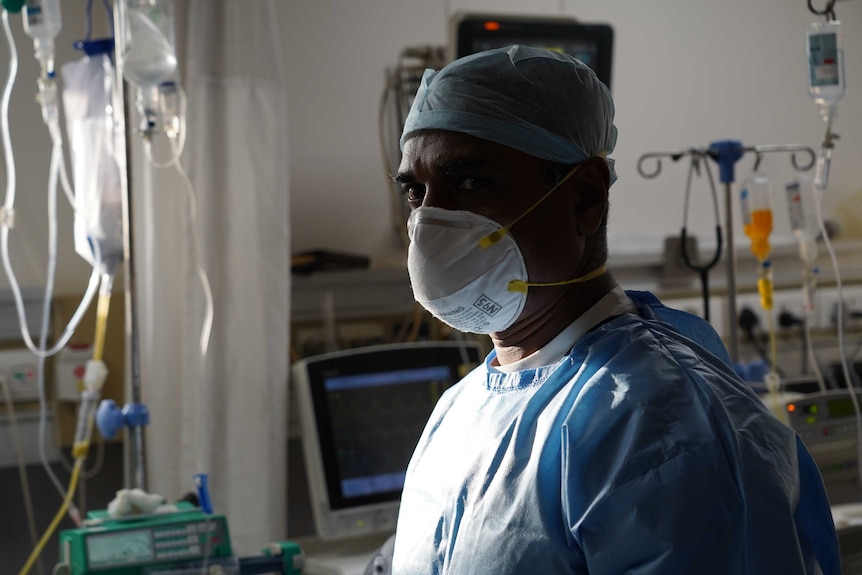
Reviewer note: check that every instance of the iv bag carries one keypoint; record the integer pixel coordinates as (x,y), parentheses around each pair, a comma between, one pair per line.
(149,57)
(96,144)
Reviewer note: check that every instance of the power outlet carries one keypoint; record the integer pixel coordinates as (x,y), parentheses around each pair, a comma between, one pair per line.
(749,304)
(791,305)
(783,301)
(69,369)
(18,368)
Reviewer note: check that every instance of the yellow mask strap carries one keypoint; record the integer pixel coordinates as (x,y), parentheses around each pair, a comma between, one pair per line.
(498,234)
(521,286)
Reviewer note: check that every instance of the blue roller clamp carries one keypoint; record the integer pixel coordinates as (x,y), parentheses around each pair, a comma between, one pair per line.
(726,153)
(95,47)
(136,415)
(110,419)
(202,485)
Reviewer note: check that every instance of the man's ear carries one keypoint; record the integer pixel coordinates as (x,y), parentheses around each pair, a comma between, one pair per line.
(592,181)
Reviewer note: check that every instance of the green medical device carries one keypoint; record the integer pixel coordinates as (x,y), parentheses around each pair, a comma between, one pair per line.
(165,543)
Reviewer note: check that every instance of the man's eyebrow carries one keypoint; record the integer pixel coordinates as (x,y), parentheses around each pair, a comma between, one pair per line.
(450,167)
(460,165)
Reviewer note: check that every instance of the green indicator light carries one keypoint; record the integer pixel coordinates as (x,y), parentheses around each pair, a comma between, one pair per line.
(810,419)
(814,408)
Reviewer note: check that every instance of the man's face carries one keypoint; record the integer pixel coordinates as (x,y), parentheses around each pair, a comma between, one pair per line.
(455,171)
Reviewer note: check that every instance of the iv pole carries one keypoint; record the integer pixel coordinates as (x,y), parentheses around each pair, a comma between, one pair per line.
(726,153)
(135,412)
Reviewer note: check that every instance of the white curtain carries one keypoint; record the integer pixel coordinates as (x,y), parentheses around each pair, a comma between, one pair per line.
(225,416)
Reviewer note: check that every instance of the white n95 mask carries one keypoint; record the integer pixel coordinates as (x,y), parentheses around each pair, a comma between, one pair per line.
(468,271)
(461,283)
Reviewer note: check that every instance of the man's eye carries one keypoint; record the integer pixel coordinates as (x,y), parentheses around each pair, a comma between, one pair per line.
(414,194)
(472,184)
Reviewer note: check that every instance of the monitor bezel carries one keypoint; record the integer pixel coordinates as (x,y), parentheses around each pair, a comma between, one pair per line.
(468,27)
(336,516)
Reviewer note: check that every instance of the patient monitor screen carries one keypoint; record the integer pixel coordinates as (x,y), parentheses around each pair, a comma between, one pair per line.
(363,411)
(592,44)
(374,422)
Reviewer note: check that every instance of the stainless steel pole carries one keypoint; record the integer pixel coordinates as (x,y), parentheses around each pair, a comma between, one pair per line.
(732,322)
(133,440)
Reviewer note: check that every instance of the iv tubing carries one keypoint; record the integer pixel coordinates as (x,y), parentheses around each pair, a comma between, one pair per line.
(4,111)
(202,275)
(52,262)
(206,330)
(102,316)
(773,356)
(178,145)
(22,466)
(812,357)
(841,349)
(8,211)
(46,318)
(73,482)
(808,301)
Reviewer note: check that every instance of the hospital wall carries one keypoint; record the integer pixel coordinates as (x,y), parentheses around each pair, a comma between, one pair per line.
(685,74)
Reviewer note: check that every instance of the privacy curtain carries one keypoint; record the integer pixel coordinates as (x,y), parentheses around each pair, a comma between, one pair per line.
(226,415)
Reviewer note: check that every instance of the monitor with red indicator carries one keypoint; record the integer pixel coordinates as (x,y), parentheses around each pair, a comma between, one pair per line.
(590,43)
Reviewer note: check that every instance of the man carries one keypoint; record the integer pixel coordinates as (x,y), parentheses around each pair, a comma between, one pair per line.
(605,434)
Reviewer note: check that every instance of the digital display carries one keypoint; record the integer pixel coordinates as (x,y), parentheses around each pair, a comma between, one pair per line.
(363,412)
(841,407)
(586,52)
(119,548)
(376,420)
(592,44)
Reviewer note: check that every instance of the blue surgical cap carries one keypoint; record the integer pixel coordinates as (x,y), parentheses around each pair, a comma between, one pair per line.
(540,102)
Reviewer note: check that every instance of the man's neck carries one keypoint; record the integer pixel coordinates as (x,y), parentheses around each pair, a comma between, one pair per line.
(545,316)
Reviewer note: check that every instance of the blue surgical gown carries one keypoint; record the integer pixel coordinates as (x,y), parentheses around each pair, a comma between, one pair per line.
(640,452)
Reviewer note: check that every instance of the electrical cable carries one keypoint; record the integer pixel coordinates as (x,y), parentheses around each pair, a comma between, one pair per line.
(22,466)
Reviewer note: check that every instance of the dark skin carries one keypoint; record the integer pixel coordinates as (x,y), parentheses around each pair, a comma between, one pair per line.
(455,171)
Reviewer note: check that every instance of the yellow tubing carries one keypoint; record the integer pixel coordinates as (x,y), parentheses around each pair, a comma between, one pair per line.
(101,325)
(70,493)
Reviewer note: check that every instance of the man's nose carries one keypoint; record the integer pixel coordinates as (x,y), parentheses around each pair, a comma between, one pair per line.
(437,197)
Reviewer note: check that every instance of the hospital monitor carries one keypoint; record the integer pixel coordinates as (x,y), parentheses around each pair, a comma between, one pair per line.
(590,43)
(361,412)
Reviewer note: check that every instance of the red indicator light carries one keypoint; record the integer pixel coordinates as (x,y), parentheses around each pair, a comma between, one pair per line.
(492,26)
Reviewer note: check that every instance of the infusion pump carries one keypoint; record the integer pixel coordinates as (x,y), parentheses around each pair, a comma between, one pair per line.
(176,543)
(827,424)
